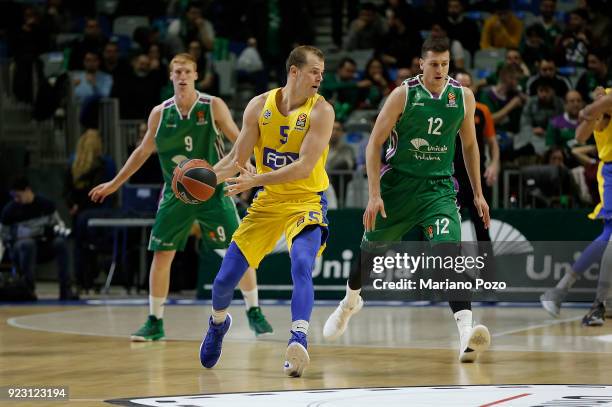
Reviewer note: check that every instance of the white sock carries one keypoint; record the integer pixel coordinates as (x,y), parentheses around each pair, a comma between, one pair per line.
(219,316)
(463,319)
(156,306)
(300,326)
(352,297)
(568,280)
(251,298)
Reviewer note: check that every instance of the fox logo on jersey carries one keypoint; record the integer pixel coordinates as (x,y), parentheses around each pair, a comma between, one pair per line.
(274,159)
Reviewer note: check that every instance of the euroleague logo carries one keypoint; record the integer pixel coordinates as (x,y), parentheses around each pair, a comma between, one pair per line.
(452,100)
(300,123)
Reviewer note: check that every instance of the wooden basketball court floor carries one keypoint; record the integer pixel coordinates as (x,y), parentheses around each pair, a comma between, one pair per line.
(86,347)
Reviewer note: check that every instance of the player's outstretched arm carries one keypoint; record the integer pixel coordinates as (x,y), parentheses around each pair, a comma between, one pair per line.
(590,115)
(133,163)
(315,142)
(245,142)
(388,116)
(471,155)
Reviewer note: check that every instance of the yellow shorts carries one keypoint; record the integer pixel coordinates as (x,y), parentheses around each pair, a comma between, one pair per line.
(272,215)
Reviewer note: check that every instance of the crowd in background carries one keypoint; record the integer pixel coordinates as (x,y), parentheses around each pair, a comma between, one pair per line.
(551,62)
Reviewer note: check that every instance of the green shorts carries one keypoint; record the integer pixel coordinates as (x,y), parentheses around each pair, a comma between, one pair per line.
(430,204)
(217,217)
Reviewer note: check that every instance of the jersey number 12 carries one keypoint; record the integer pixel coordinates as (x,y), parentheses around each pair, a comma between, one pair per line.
(434,125)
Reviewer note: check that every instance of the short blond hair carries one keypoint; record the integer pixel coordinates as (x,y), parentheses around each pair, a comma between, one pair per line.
(183,58)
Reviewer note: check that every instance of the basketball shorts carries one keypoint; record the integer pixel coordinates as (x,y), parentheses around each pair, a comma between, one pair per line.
(271,215)
(429,204)
(217,217)
(603,210)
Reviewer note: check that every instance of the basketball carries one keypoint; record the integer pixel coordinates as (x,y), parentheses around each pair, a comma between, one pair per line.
(194,181)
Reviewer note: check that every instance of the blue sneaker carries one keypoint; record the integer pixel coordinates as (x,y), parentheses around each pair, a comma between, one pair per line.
(296,357)
(210,349)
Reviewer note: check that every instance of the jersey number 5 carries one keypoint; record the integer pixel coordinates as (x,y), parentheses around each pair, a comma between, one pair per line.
(283,133)
(434,125)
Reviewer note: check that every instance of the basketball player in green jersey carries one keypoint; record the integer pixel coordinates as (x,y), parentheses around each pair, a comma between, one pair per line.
(414,186)
(188,125)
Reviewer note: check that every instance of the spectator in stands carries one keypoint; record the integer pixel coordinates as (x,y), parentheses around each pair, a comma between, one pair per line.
(87,168)
(57,18)
(207,81)
(537,113)
(150,172)
(427,11)
(597,74)
(143,37)
(512,57)
(26,42)
(158,64)
(34,232)
(112,63)
(534,45)
(401,75)
(573,45)
(505,100)
(461,28)
(400,44)
(250,67)
(278,27)
(502,30)
(376,72)
(89,86)
(140,92)
(366,30)
(485,133)
(341,157)
(93,40)
(343,90)
(438,30)
(600,24)
(547,19)
(415,66)
(191,26)
(561,130)
(548,69)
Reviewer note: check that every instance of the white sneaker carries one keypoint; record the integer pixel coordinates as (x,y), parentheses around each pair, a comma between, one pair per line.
(473,343)
(296,360)
(338,321)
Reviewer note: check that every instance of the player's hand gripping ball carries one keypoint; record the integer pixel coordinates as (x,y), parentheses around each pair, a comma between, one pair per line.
(194,181)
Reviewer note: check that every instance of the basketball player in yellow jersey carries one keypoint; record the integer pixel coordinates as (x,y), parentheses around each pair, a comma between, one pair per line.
(595,119)
(289,130)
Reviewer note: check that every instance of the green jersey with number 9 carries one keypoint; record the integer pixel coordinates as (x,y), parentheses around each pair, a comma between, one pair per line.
(194,136)
(422,144)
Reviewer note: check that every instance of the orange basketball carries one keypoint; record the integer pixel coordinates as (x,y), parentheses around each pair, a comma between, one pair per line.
(194,181)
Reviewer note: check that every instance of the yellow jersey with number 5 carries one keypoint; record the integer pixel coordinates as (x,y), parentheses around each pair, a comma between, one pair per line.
(279,144)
